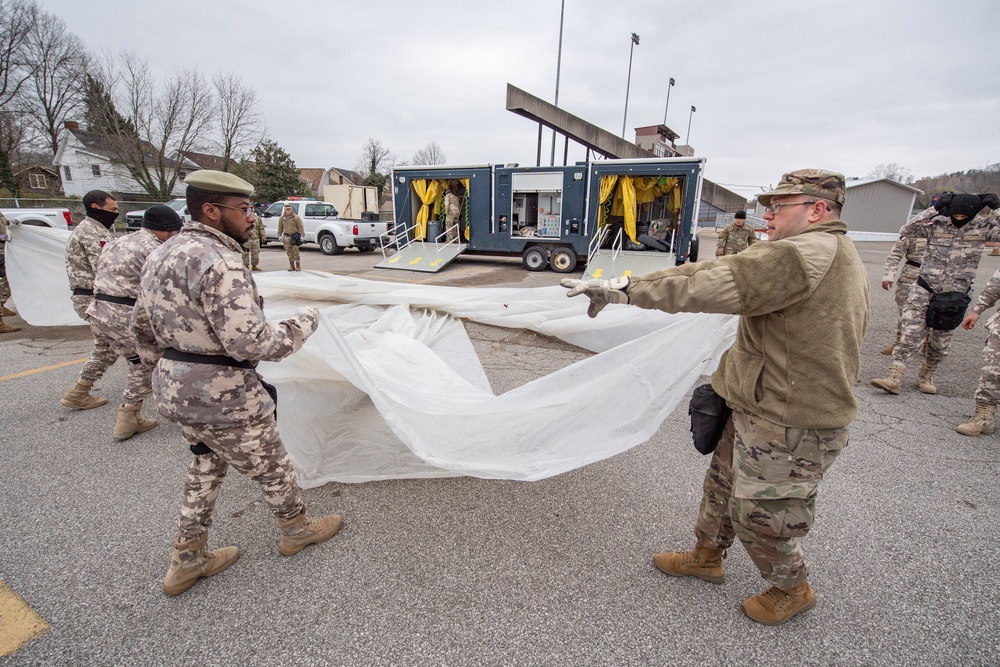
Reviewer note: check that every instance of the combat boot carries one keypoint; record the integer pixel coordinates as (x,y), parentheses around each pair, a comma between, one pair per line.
(893,380)
(701,562)
(981,422)
(192,560)
(298,265)
(7,328)
(891,346)
(130,421)
(775,606)
(300,532)
(925,380)
(255,268)
(6,312)
(291,265)
(79,397)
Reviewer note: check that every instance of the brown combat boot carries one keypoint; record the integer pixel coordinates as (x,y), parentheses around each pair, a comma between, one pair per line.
(6,312)
(255,268)
(192,560)
(291,265)
(775,606)
(701,562)
(298,265)
(130,421)
(893,380)
(300,532)
(79,397)
(925,380)
(891,346)
(982,422)
(7,328)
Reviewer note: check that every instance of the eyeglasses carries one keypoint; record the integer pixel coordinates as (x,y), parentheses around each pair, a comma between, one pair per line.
(776,208)
(247,210)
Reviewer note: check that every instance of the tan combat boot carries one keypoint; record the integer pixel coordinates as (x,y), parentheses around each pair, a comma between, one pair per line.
(775,606)
(981,422)
(701,562)
(192,560)
(298,265)
(79,397)
(255,268)
(300,532)
(925,380)
(891,346)
(6,312)
(291,265)
(130,421)
(7,328)
(893,380)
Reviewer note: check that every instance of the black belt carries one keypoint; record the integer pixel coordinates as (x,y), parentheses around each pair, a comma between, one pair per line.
(910,262)
(123,300)
(214,359)
(82,291)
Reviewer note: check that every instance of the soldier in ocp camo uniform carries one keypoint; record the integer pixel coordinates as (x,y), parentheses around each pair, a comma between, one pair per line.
(453,213)
(116,286)
(911,252)
(988,391)
(290,223)
(199,308)
(955,237)
(735,237)
(83,250)
(4,285)
(251,249)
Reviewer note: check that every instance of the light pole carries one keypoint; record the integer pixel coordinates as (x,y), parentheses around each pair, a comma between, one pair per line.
(562,9)
(669,86)
(690,116)
(635,42)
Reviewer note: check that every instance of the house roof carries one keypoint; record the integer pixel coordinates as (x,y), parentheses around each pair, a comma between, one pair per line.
(19,169)
(312,177)
(101,145)
(205,160)
(352,176)
(869,181)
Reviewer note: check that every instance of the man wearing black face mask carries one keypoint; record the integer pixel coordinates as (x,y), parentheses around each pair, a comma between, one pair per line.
(955,236)
(82,252)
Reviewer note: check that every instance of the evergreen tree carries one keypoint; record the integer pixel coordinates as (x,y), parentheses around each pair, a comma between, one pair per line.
(101,116)
(275,174)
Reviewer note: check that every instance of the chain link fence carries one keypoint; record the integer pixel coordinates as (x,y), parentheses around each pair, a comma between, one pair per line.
(75,206)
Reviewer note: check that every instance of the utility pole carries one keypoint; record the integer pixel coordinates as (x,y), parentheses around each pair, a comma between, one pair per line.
(669,86)
(635,41)
(562,11)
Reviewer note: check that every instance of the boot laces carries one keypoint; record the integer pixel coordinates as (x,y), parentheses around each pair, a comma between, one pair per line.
(777,597)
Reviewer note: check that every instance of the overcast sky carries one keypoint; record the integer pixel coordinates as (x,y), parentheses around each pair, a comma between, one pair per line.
(778,85)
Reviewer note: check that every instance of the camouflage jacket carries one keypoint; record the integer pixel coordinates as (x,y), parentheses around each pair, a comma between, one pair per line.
(987,299)
(196,296)
(83,250)
(735,238)
(3,233)
(452,207)
(259,234)
(953,253)
(118,272)
(905,248)
(289,224)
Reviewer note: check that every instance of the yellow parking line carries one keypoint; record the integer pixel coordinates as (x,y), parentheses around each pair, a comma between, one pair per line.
(42,369)
(20,622)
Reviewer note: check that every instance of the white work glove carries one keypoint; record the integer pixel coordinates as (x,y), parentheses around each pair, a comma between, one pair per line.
(600,292)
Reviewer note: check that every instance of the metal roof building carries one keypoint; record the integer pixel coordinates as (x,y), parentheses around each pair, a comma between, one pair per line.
(879,206)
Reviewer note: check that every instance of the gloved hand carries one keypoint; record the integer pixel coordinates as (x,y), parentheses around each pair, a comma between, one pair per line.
(991,200)
(943,202)
(600,292)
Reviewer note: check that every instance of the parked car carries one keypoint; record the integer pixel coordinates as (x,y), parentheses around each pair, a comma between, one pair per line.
(57,218)
(323,226)
(133,219)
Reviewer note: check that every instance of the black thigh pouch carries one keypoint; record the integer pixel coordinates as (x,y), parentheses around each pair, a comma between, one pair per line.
(947,310)
(709,414)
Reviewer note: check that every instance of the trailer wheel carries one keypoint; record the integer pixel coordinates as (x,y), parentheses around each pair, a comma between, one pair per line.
(693,250)
(328,245)
(563,260)
(535,258)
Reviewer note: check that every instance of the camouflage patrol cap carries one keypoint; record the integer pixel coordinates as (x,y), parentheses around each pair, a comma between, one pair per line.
(815,182)
(218,182)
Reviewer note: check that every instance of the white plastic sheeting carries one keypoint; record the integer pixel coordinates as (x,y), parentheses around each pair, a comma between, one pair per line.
(390,385)
(36,271)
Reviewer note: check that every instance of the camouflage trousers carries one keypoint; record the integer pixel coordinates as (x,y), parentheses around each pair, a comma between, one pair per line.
(913,330)
(4,290)
(988,390)
(761,486)
(256,452)
(139,374)
(251,253)
(102,357)
(291,250)
(903,285)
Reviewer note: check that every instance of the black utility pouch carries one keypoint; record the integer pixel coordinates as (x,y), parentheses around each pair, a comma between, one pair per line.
(296,239)
(709,414)
(272,391)
(947,310)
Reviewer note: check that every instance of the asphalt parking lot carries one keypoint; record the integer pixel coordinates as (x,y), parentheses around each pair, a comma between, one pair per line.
(463,571)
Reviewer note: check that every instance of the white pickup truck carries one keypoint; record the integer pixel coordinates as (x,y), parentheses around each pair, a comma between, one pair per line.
(133,219)
(323,226)
(57,218)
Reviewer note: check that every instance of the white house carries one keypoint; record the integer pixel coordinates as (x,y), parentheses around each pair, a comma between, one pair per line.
(85,163)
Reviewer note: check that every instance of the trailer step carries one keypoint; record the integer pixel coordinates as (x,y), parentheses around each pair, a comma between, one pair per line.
(424,257)
(603,264)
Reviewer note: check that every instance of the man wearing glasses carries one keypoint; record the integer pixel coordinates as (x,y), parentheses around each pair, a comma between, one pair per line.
(198,314)
(803,303)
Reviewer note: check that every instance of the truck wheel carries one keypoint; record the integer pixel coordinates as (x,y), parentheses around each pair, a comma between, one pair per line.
(563,260)
(693,250)
(535,258)
(328,245)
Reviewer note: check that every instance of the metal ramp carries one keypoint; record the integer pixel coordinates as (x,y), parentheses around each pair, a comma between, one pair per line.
(427,257)
(614,262)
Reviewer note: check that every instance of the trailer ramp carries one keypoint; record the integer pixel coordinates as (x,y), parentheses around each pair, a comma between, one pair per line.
(604,264)
(424,257)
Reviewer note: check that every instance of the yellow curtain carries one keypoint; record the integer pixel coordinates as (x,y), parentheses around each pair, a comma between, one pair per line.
(629,206)
(465,206)
(607,187)
(428,192)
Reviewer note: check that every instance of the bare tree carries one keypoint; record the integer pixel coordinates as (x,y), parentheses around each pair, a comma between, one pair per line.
(892,171)
(17,20)
(374,164)
(241,123)
(55,91)
(985,179)
(157,120)
(430,154)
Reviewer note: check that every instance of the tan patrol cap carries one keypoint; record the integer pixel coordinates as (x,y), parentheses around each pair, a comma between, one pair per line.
(219,182)
(815,182)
